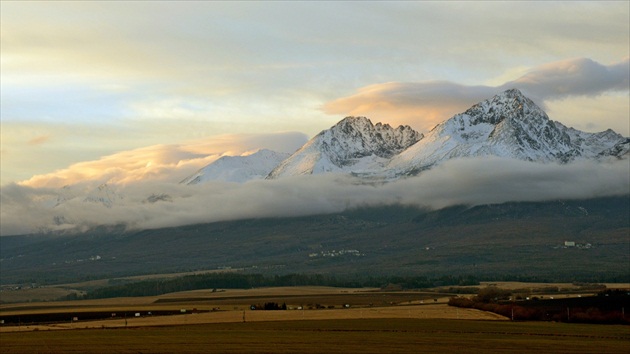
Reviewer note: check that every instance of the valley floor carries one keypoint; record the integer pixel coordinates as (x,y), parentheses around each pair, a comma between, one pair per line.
(374,335)
(317,320)
(431,311)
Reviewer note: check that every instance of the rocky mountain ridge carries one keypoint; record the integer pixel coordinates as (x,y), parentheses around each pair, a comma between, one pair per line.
(507,125)
(353,144)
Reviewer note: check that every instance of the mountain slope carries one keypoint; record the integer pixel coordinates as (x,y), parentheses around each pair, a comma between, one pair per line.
(618,151)
(507,125)
(352,145)
(238,168)
(500,240)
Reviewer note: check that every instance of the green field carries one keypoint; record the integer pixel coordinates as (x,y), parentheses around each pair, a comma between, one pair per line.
(346,336)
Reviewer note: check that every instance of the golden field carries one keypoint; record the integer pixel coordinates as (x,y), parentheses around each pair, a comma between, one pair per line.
(376,322)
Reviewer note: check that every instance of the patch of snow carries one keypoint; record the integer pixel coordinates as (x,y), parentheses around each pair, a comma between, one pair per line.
(238,168)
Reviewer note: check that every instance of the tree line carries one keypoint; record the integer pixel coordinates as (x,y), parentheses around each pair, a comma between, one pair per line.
(607,307)
(248,281)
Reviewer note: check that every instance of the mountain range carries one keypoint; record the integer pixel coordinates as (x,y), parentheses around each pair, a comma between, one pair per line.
(507,125)
(313,224)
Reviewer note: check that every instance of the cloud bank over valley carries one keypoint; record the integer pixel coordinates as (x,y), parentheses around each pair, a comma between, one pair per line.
(152,204)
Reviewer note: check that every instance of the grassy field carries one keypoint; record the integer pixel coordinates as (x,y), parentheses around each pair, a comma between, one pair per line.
(376,335)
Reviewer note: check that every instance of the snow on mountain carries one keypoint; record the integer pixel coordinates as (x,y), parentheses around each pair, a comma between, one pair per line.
(591,144)
(507,125)
(619,150)
(238,168)
(354,145)
(104,195)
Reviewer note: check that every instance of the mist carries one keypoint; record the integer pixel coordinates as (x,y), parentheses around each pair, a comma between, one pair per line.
(156,204)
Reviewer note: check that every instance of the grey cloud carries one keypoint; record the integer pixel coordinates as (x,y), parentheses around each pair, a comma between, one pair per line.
(552,81)
(433,94)
(575,77)
(467,181)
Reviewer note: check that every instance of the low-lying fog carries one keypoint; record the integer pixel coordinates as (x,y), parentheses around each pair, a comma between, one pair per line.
(156,204)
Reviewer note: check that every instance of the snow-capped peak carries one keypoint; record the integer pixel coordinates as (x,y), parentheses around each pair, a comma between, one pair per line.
(510,104)
(352,145)
(506,125)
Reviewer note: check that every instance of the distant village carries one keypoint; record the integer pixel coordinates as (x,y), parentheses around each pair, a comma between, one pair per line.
(91,258)
(335,253)
(573,244)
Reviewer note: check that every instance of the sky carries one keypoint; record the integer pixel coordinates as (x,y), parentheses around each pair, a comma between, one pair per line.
(87,84)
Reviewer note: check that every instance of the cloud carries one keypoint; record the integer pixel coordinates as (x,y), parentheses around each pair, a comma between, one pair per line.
(574,77)
(424,104)
(467,181)
(480,181)
(170,163)
(421,105)
(593,113)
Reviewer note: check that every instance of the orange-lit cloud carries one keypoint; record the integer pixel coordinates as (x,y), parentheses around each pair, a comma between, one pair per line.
(421,105)
(168,163)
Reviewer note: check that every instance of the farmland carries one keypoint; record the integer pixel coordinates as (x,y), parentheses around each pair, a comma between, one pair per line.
(230,305)
(393,335)
(317,319)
